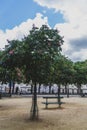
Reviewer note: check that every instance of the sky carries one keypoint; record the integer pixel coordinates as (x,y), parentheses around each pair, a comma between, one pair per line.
(68,16)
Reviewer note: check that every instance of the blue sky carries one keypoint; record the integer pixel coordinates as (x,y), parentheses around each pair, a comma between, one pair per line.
(68,16)
(14,12)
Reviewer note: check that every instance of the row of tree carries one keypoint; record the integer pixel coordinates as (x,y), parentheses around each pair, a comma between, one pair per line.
(37,58)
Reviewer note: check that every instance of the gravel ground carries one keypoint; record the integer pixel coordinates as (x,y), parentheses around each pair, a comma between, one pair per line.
(15,113)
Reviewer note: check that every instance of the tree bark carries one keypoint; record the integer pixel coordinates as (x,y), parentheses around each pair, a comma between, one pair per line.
(39,88)
(31,89)
(59,91)
(13,87)
(79,89)
(67,92)
(10,88)
(50,88)
(65,88)
(59,99)
(34,107)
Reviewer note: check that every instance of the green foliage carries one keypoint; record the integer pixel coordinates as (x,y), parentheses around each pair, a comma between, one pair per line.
(63,72)
(80,73)
(34,55)
(11,60)
(42,46)
(38,57)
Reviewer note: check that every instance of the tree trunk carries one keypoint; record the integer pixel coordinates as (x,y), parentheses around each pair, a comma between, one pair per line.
(59,99)
(79,89)
(39,88)
(0,95)
(31,89)
(13,87)
(67,92)
(10,88)
(65,89)
(34,107)
(59,91)
(50,88)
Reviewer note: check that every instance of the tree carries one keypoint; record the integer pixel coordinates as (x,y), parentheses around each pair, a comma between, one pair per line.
(42,46)
(80,76)
(63,72)
(2,70)
(11,61)
(34,56)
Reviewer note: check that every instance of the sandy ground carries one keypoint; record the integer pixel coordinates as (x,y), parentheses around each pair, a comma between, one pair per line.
(15,113)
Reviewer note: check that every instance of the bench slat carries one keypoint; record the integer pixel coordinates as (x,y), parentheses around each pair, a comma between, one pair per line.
(52,97)
(53,103)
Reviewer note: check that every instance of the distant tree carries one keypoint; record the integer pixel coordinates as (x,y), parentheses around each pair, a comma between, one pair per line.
(80,76)
(63,72)
(11,61)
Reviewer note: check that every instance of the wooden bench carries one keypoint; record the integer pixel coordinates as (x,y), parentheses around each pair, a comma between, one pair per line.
(47,102)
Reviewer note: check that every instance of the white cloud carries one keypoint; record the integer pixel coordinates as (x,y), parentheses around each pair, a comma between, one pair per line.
(73,29)
(75,15)
(22,30)
(81,55)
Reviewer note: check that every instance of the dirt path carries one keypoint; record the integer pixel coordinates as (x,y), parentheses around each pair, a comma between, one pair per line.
(14,115)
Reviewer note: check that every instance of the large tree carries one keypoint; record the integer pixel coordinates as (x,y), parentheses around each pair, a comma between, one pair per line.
(42,47)
(35,56)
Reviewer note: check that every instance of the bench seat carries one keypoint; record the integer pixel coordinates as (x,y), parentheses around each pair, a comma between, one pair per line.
(52,102)
(48,103)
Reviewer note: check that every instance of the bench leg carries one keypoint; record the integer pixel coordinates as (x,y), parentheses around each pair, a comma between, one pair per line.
(46,106)
(59,105)
(46,103)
